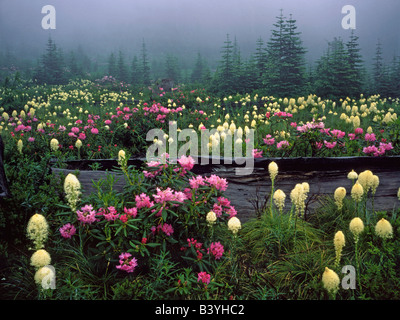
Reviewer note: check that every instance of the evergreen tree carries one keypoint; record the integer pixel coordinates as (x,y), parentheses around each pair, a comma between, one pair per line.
(355,61)
(145,68)
(198,70)
(73,65)
(51,67)
(381,78)
(172,68)
(285,73)
(122,74)
(260,60)
(223,77)
(333,72)
(112,65)
(135,72)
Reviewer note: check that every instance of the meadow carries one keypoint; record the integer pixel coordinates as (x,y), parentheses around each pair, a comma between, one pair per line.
(172,234)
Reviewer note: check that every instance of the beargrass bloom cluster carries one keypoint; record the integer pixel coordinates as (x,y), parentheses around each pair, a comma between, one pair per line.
(331,281)
(273,170)
(356,227)
(211,218)
(339,195)
(45,276)
(40,258)
(234,225)
(357,192)
(72,189)
(298,196)
(384,229)
(37,230)
(279,199)
(339,242)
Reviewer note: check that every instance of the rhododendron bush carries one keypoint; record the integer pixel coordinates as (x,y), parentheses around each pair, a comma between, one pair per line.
(161,212)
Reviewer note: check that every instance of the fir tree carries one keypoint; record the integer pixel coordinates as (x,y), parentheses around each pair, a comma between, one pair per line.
(145,68)
(122,74)
(135,72)
(284,74)
(172,68)
(355,61)
(112,65)
(198,70)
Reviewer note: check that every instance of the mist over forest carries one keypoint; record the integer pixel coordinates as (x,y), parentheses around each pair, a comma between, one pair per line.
(95,38)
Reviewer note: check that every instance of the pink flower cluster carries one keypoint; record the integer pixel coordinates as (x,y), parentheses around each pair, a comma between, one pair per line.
(204,277)
(378,151)
(87,215)
(127,262)
(217,250)
(67,231)
(213,181)
(224,205)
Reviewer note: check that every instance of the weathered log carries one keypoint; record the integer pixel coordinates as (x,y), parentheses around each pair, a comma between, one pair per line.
(247,192)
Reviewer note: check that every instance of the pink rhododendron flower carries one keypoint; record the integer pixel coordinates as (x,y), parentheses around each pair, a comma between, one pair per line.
(143,201)
(269,140)
(257,154)
(86,215)
(187,163)
(167,229)
(217,182)
(67,231)
(369,137)
(203,277)
(131,211)
(282,144)
(217,250)
(196,182)
(358,131)
(94,130)
(329,145)
(127,262)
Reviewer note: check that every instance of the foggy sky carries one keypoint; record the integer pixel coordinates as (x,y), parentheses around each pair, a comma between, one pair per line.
(185,27)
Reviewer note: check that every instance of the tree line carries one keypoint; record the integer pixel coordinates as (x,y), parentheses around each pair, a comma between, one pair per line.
(277,67)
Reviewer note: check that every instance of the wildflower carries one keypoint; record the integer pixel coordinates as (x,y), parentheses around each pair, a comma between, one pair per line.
(54,145)
(234,225)
(339,242)
(211,218)
(356,226)
(331,281)
(268,140)
(186,163)
(86,215)
(72,189)
(273,170)
(339,195)
(196,182)
(45,276)
(40,258)
(298,197)
(127,262)
(279,199)
(329,145)
(203,277)
(352,175)
(122,161)
(384,229)
(20,145)
(217,250)
(78,143)
(167,229)
(37,230)
(131,211)
(67,231)
(374,183)
(282,144)
(357,192)
(257,153)
(217,182)
(143,201)
(365,179)
(398,194)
